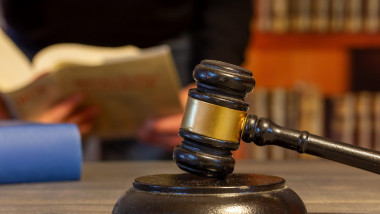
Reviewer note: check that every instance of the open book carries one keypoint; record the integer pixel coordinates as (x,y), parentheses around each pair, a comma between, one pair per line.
(128,84)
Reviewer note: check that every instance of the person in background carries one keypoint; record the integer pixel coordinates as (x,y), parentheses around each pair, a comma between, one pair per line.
(195,30)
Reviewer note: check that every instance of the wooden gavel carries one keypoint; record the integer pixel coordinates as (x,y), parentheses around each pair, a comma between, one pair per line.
(215,121)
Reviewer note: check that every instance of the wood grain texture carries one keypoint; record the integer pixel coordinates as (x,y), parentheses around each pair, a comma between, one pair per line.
(324,186)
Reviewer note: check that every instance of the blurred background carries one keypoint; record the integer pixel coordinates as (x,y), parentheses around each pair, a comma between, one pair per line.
(316,62)
(317,68)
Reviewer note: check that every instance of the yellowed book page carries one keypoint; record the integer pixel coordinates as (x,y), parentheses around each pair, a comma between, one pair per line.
(130,93)
(15,68)
(30,102)
(59,55)
(127,92)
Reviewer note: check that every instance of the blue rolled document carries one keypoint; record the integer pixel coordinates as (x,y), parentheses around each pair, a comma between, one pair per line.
(31,152)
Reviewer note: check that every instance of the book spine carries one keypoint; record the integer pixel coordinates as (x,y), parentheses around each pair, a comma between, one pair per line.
(348,117)
(312,112)
(302,15)
(259,106)
(280,16)
(292,115)
(277,114)
(337,15)
(332,124)
(364,128)
(354,16)
(376,124)
(264,15)
(320,16)
(371,15)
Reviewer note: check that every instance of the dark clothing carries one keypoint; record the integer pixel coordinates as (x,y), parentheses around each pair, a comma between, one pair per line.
(218,29)
(195,29)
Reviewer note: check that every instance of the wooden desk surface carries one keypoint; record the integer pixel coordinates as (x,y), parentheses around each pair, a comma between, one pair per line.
(324,186)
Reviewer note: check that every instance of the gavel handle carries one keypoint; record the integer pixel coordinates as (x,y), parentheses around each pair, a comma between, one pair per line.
(262,132)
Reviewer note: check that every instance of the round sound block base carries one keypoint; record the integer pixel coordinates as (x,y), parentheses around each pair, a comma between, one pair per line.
(188,193)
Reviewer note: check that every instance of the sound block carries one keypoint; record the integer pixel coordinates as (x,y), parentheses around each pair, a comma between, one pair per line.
(188,193)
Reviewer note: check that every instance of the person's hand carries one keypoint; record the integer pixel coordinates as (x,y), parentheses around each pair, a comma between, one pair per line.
(68,111)
(164,131)
(4,114)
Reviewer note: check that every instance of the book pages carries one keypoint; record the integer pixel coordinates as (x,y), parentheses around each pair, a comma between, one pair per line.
(15,68)
(127,90)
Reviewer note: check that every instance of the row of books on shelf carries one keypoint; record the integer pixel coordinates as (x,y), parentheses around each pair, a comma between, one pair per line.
(356,119)
(323,16)
(352,118)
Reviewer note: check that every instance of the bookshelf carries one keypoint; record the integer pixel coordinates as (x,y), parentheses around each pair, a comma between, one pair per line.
(262,40)
(284,66)
(281,54)
(300,41)
(323,60)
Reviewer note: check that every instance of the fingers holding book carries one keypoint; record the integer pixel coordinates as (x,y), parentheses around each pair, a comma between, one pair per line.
(70,110)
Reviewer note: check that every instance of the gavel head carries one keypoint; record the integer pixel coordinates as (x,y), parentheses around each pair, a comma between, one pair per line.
(213,119)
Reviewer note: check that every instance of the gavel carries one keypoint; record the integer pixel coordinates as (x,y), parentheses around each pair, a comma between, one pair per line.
(216,120)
